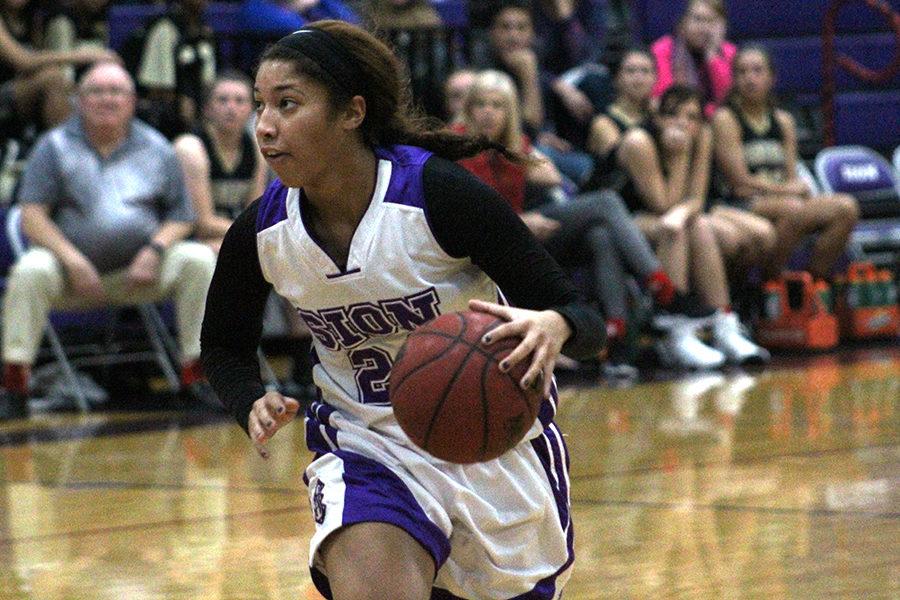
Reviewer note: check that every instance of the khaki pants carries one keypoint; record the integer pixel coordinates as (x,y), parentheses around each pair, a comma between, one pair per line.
(36,284)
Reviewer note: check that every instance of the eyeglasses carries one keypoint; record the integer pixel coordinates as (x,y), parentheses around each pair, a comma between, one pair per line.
(115,92)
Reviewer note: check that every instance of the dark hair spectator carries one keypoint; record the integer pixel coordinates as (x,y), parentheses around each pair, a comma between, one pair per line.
(668,165)
(698,54)
(543,93)
(635,76)
(33,86)
(756,150)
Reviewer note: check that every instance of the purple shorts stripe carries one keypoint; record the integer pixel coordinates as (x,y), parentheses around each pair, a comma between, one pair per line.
(554,457)
(547,409)
(374,494)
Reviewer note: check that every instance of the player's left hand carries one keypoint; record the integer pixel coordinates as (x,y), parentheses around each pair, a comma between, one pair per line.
(269,414)
(543,334)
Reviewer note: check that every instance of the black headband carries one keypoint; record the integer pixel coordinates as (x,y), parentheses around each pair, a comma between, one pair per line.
(324,50)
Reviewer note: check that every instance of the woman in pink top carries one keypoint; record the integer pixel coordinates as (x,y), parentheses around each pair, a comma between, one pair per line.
(698,54)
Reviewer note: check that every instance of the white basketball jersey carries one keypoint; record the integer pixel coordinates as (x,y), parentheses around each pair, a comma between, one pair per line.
(396,278)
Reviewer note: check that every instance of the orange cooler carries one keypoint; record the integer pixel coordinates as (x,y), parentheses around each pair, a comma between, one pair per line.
(797,314)
(866,306)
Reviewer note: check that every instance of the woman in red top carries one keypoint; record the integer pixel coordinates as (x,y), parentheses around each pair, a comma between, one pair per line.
(593,229)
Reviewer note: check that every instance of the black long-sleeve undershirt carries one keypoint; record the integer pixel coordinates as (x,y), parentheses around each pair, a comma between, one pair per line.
(467,218)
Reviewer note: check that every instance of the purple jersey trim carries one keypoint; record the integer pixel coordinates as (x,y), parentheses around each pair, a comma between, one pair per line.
(374,494)
(406,174)
(272,206)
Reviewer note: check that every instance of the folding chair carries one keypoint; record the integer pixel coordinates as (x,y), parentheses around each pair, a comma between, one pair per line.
(162,346)
(865,175)
(870,178)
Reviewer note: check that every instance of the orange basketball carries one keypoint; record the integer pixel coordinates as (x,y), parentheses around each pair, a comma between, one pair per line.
(451,398)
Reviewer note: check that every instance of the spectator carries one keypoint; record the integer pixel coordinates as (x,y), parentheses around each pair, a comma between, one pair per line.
(634,81)
(698,55)
(404,14)
(668,176)
(176,64)
(33,86)
(456,87)
(512,50)
(568,39)
(594,229)
(224,172)
(77,24)
(223,168)
(756,149)
(570,29)
(106,211)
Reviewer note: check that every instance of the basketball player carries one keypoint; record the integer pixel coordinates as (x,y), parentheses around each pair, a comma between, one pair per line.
(370,231)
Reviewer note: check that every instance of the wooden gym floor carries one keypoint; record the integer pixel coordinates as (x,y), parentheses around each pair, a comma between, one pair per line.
(783,483)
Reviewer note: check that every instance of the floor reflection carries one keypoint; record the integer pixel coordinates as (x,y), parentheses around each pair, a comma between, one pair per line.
(782,483)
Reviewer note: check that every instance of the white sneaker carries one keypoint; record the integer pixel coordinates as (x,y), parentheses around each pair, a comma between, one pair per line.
(730,337)
(682,349)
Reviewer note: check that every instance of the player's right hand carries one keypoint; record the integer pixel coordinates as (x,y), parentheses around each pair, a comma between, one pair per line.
(269,414)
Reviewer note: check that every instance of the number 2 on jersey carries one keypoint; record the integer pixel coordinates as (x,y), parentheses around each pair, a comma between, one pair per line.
(373,369)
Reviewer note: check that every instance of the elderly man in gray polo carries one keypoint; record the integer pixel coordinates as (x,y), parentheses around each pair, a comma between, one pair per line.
(107,213)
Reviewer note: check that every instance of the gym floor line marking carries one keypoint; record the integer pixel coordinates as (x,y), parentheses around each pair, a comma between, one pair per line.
(737,461)
(124,485)
(149,525)
(820,512)
(108,429)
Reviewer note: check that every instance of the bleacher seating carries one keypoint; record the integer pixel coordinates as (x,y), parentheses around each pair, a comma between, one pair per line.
(755,19)
(792,32)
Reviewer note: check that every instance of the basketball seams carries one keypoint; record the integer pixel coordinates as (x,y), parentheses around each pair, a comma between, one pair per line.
(457,347)
(455,339)
(419,333)
(449,386)
(486,429)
